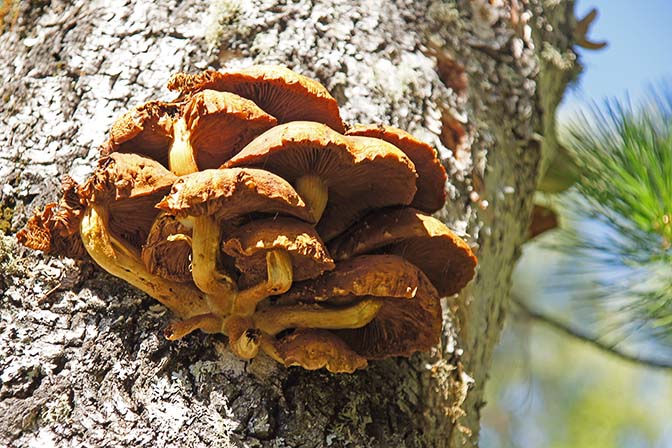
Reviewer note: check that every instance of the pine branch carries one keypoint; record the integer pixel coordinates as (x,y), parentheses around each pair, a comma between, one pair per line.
(589,339)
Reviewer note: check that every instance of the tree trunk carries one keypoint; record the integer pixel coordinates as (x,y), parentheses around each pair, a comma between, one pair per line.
(82,358)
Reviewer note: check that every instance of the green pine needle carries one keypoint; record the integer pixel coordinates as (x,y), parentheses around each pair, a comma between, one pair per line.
(621,243)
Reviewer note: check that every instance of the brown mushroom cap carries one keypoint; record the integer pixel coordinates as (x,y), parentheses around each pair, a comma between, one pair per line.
(220,124)
(401,327)
(431,194)
(170,259)
(231,193)
(366,275)
(360,173)
(146,129)
(55,230)
(314,349)
(128,186)
(279,91)
(423,240)
(249,244)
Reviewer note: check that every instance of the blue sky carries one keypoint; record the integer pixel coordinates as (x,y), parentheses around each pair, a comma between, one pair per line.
(639,54)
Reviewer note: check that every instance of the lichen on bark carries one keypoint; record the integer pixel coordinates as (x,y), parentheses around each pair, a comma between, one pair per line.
(82,358)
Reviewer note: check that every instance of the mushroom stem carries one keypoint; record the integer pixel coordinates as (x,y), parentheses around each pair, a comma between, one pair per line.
(123,262)
(314,191)
(220,288)
(244,339)
(181,154)
(273,320)
(208,323)
(280,274)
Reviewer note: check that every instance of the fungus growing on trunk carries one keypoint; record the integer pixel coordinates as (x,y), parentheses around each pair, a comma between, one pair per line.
(431,194)
(214,126)
(146,130)
(55,230)
(409,318)
(240,250)
(208,200)
(339,177)
(423,240)
(278,90)
(167,251)
(252,244)
(401,327)
(314,349)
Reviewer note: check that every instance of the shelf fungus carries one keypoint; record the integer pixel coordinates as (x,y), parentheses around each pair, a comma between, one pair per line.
(246,208)
(339,177)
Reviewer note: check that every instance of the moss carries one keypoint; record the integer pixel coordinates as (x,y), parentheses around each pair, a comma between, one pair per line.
(6,215)
(223,19)
(9,265)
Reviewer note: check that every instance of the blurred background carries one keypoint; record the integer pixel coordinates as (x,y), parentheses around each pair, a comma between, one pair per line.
(586,356)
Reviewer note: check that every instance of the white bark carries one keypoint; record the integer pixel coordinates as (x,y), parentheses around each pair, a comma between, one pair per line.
(87,365)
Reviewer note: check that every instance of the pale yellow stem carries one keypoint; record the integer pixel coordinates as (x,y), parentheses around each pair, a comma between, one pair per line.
(279,268)
(124,262)
(244,339)
(314,192)
(219,287)
(209,323)
(181,157)
(274,319)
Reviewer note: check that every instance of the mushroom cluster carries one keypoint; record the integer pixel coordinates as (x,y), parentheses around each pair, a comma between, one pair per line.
(248,208)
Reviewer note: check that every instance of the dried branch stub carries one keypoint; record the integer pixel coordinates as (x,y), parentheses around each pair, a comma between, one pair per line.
(230,204)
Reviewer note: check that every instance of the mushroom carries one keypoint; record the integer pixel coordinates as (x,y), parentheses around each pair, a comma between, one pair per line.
(114,213)
(366,275)
(207,201)
(146,130)
(213,127)
(431,194)
(279,91)
(314,349)
(423,240)
(369,276)
(342,298)
(55,230)
(409,318)
(339,177)
(401,327)
(251,245)
(167,251)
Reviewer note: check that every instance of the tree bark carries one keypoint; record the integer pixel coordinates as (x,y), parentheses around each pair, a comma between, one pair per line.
(82,359)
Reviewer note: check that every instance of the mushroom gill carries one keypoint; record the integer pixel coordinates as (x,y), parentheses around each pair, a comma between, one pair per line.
(431,193)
